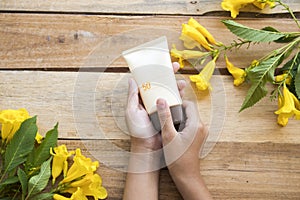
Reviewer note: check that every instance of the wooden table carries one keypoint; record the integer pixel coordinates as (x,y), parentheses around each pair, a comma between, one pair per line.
(61,61)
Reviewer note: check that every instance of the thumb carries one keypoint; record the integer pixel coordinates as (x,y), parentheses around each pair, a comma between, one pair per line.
(167,128)
(133,98)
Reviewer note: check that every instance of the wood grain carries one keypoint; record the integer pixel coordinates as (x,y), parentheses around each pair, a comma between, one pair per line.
(129,7)
(95,43)
(91,105)
(233,170)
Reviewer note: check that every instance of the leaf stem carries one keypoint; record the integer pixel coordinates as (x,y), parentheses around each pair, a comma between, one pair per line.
(290,11)
(280,50)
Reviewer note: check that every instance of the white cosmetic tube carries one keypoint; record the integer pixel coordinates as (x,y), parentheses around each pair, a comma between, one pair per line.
(151,66)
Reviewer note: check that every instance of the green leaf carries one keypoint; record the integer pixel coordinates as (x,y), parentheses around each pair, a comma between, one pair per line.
(38,182)
(23,180)
(259,76)
(20,145)
(297,81)
(42,153)
(250,34)
(43,196)
(10,180)
(294,63)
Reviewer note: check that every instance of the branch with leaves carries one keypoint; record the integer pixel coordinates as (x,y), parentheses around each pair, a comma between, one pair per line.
(285,59)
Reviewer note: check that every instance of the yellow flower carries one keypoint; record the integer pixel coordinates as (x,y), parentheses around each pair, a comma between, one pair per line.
(189,42)
(77,195)
(287,107)
(237,73)
(11,121)
(282,77)
(39,138)
(254,63)
(185,54)
(59,163)
(235,5)
(81,166)
(91,186)
(202,79)
(193,23)
(192,33)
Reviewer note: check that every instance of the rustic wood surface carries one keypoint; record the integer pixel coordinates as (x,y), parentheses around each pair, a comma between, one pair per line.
(50,41)
(61,61)
(129,7)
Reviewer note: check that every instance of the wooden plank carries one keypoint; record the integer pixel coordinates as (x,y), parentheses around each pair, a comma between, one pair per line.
(233,170)
(67,42)
(129,7)
(91,105)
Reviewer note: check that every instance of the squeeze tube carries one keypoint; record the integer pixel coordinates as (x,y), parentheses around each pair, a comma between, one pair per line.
(151,66)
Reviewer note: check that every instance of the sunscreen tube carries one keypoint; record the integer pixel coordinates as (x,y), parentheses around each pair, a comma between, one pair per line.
(151,66)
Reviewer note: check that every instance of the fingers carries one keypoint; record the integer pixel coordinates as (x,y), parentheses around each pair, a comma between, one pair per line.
(176,66)
(193,123)
(168,131)
(133,98)
(181,84)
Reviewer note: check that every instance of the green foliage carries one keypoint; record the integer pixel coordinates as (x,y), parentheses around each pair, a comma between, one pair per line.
(38,182)
(42,152)
(296,79)
(21,145)
(42,196)
(264,72)
(9,181)
(23,180)
(254,35)
(259,76)
(27,165)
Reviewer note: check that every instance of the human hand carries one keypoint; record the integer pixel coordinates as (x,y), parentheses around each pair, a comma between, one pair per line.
(144,137)
(181,150)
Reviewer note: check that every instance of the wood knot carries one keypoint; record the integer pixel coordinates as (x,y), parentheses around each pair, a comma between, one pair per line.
(61,39)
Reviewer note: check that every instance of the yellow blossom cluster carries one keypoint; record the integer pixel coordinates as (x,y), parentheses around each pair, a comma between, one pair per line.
(194,35)
(11,121)
(80,179)
(234,6)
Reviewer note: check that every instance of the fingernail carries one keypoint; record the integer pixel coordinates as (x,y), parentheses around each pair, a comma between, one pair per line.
(161,104)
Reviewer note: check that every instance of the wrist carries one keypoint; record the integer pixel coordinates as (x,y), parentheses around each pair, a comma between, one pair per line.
(149,161)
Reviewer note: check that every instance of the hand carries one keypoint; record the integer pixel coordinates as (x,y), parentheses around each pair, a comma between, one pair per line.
(144,163)
(181,150)
(144,137)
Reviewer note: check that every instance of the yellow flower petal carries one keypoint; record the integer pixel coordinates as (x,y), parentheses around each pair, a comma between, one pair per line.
(282,119)
(39,138)
(237,73)
(234,6)
(78,195)
(192,22)
(95,189)
(261,4)
(203,78)
(189,42)
(60,197)
(196,35)
(185,54)
(287,107)
(81,166)
(282,77)
(59,163)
